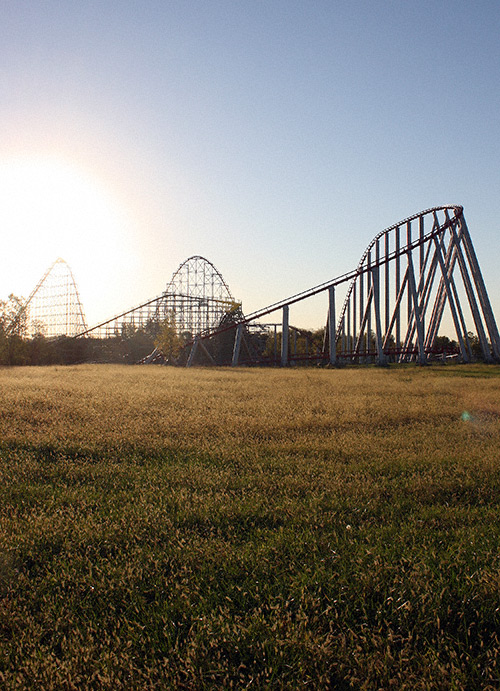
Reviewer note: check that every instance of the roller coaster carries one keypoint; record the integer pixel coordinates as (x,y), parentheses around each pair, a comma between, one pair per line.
(196,298)
(54,307)
(412,277)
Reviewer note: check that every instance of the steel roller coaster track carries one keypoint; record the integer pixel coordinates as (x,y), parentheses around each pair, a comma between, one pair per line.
(413,278)
(410,276)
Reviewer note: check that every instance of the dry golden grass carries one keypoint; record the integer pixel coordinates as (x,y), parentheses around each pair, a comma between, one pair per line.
(268,528)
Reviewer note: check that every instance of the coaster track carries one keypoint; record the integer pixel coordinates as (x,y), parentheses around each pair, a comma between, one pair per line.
(414,278)
(196,298)
(408,278)
(54,307)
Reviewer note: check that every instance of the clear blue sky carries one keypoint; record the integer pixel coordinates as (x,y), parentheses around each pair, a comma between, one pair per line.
(275,138)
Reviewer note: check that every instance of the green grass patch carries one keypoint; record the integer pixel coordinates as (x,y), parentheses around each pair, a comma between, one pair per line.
(207,529)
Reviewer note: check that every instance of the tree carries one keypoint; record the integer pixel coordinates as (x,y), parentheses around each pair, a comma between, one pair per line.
(13,325)
(13,319)
(168,340)
(475,346)
(443,344)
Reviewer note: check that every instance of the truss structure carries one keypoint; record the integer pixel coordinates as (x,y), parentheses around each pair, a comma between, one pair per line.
(412,277)
(408,278)
(195,300)
(415,278)
(197,297)
(54,307)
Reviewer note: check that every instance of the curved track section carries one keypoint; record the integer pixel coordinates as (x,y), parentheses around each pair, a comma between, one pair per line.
(410,278)
(416,281)
(54,307)
(415,278)
(195,299)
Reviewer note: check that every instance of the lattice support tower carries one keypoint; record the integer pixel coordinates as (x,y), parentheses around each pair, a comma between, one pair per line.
(196,299)
(54,307)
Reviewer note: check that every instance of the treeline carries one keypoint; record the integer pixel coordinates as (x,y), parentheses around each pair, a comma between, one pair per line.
(63,350)
(131,345)
(135,345)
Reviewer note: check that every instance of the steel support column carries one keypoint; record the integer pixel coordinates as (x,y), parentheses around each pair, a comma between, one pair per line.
(451,300)
(192,352)
(481,290)
(285,336)
(412,293)
(237,345)
(378,322)
(331,325)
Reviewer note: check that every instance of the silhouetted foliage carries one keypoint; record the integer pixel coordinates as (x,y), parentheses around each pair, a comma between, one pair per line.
(131,345)
(168,340)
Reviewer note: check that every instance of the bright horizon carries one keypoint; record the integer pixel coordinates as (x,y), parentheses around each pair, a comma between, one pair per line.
(275,140)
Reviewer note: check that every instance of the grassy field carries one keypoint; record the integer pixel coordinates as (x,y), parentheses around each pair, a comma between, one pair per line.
(203,529)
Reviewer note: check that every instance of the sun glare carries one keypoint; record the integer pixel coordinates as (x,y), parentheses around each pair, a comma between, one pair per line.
(50,208)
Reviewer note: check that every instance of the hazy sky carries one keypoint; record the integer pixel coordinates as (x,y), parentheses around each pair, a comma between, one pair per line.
(274,137)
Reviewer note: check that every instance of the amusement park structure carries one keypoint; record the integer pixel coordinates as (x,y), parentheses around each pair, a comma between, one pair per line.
(54,307)
(196,299)
(413,277)
(408,277)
